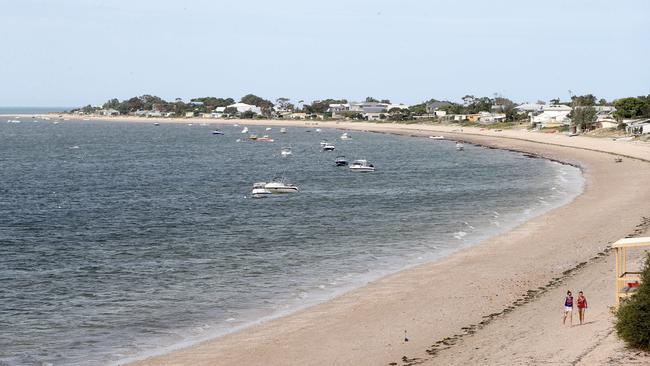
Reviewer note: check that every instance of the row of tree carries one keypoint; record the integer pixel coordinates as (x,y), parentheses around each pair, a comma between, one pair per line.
(583,114)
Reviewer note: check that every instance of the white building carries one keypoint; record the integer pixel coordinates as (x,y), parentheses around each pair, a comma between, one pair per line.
(552,116)
(219,112)
(490,117)
(243,107)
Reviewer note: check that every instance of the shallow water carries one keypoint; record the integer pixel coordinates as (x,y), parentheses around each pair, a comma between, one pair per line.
(119,239)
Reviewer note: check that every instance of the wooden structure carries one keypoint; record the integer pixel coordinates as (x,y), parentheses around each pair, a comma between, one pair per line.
(627,281)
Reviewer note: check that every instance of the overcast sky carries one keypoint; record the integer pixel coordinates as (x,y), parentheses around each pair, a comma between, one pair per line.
(74,52)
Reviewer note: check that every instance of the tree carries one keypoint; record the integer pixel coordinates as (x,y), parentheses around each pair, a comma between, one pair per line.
(583,117)
(399,114)
(386,101)
(283,103)
(555,101)
(371,100)
(213,102)
(583,100)
(633,316)
(264,104)
(418,109)
(231,111)
(248,114)
(321,106)
(602,101)
(628,107)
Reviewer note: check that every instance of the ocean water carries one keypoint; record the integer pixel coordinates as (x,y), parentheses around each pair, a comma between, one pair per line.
(121,240)
(31,110)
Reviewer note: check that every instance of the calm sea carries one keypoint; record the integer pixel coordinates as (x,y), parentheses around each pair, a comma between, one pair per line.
(119,240)
(31,110)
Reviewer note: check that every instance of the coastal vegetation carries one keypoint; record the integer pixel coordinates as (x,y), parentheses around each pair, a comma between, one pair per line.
(633,316)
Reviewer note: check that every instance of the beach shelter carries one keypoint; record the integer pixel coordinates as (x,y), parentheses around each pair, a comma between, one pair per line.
(627,282)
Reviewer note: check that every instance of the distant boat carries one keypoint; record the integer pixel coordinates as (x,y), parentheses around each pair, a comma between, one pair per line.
(260,191)
(437,137)
(328,147)
(280,185)
(156,124)
(13,121)
(217,132)
(252,137)
(265,138)
(286,152)
(345,136)
(459,146)
(283,130)
(340,161)
(323,143)
(268,129)
(245,130)
(361,166)
(318,130)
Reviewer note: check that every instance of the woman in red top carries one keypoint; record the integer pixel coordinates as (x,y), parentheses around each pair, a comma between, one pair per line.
(582,305)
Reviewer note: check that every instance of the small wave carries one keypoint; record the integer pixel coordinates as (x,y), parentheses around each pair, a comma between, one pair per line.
(459,235)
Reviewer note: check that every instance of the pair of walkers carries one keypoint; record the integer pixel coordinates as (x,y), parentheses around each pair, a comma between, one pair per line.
(568,307)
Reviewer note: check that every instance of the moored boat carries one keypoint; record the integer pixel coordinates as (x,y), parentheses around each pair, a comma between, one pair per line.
(341,161)
(361,166)
(459,146)
(345,136)
(279,185)
(259,190)
(265,138)
(328,147)
(286,152)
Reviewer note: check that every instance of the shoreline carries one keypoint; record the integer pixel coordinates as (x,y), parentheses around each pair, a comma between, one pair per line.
(365,326)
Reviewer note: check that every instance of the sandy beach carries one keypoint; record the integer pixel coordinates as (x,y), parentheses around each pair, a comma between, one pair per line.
(499,302)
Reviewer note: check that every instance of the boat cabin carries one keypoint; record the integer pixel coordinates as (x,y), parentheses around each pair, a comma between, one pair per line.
(627,281)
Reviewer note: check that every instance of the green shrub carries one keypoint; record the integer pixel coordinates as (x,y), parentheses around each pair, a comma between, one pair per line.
(633,315)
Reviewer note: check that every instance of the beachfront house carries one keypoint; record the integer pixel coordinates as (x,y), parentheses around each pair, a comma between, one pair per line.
(219,112)
(552,116)
(189,114)
(338,110)
(109,112)
(490,117)
(637,126)
(605,116)
(243,107)
(371,111)
(435,108)
(153,114)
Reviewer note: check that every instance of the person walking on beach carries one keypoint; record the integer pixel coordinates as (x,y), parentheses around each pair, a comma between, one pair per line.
(568,308)
(582,305)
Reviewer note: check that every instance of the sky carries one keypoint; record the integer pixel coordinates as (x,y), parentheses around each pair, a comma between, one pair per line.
(78,52)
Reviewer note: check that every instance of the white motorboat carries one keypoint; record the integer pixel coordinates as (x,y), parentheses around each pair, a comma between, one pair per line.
(260,191)
(361,166)
(268,129)
(318,130)
(323,143)
(459,146)
(283,130)
(345,136)
(328,147)
(286,152)
(437,137)
(245,130)
(280,186)
(156,124)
